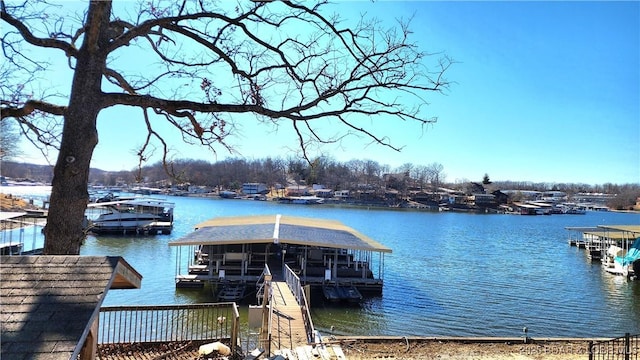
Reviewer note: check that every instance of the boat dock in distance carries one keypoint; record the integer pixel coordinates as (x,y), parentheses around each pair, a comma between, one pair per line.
(617,247)
(326,255)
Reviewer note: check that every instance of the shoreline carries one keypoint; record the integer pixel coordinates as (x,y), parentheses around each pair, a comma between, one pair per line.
(419,347)
(403,348)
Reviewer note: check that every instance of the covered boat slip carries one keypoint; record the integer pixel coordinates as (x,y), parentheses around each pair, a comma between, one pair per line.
(236,249)
(617,246)
(18,227)
(604,235)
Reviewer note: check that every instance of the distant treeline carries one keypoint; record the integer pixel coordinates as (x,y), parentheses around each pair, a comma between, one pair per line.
(350,175)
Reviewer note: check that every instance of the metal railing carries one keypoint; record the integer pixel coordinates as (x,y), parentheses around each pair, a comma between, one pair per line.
(264,294)
(260,284)
(626,347)
(294,283)
(169,323)
(283,333)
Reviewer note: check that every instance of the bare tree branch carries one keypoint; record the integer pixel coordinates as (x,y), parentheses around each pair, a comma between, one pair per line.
(196,66)
(33,40)
(8,110)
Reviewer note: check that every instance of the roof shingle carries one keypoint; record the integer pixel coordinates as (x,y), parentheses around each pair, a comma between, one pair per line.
(48,302)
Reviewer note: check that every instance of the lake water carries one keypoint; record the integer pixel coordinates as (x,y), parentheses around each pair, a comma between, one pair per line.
(450,274)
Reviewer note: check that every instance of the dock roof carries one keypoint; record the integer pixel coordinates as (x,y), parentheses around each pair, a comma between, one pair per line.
(50,302)
(618,232)
(634,229)
(613,235)
(8,215)
(264,229)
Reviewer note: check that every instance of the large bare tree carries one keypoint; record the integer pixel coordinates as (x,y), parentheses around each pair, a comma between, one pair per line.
(283,62)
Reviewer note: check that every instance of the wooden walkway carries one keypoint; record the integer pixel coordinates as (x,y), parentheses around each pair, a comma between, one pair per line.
(288,333)
(287,325)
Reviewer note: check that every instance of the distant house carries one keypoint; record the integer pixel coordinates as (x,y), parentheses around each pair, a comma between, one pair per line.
(320,190)
(426,198)
(254,188)
(501,198)
(554,196)
(524,194)
(456,199)
(483,200)
(298,190)
(525,209)
(324,193)
(596,198)
(341,194)
(50,304)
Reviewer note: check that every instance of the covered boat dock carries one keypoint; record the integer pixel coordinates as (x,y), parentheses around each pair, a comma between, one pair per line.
(228,251)
(616,246)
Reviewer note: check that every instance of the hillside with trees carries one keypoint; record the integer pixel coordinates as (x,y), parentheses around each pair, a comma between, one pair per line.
(353,175)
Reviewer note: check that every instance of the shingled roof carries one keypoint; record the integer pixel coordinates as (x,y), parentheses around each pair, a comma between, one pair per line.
(50,302)
(285,229)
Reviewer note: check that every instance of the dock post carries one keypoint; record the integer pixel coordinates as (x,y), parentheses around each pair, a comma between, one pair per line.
(627,347)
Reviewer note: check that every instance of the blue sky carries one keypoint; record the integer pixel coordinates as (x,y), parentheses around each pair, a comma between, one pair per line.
(542,92)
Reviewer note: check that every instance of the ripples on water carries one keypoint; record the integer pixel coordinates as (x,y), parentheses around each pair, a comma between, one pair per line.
(491,275)
(450,274)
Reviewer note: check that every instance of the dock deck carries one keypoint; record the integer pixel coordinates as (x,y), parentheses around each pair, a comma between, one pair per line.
(307,253)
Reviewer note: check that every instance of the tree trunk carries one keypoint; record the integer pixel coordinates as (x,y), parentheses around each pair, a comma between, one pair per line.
(64,231)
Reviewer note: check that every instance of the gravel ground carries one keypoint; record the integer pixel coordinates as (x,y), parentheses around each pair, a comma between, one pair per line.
(391,349)
(434,349)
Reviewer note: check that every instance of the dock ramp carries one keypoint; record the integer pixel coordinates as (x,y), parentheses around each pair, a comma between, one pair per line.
(290,330)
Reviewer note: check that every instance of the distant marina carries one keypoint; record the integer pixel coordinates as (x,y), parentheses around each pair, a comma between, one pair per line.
(474,198)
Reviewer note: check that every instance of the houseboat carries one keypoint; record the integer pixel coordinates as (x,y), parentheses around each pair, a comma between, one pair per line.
(330,257)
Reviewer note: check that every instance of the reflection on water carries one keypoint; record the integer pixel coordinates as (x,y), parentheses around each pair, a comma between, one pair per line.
(450,274)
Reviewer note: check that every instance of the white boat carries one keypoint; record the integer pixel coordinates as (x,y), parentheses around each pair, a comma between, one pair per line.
(226,194)
(611,265)
(306,200)
(574,211)
(132,215)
